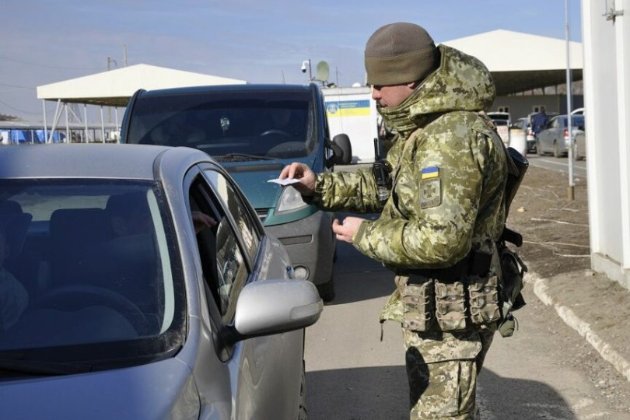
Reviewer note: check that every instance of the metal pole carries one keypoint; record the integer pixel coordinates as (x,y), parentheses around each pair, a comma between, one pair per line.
(117,126)
(68,137)
(102,126)
(310,72)
(44,119)
(85,126)
(571,189)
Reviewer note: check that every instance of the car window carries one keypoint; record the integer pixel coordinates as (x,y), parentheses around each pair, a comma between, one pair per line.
(222,256)
(89,263)
(223,123)
(242,216)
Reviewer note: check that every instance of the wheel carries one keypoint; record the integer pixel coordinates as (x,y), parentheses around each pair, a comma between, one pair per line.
(327,290)
(556,150)
(81,296)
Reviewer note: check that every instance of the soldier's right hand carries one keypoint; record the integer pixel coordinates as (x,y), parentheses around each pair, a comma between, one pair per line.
(304,174)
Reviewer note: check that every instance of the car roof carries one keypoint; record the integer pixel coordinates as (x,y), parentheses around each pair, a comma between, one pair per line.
(94,160)
(234,89)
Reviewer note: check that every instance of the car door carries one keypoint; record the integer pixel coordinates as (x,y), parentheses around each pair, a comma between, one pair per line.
(265,372)
(545,137)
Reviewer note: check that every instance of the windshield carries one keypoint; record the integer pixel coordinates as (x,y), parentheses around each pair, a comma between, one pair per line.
(83,263)
(228,126)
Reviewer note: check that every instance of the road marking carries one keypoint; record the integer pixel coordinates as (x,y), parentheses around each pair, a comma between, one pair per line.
(561,163)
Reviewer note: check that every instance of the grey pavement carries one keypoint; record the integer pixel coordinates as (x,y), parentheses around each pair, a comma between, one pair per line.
(596,307)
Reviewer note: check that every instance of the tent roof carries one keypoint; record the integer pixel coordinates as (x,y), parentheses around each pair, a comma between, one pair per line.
(115,87)
(520,61)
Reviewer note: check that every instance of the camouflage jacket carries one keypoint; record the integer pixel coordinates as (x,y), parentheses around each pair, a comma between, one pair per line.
(449,173)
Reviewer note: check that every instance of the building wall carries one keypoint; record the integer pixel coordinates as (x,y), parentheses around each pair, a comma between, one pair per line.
(523,105)
(607,103)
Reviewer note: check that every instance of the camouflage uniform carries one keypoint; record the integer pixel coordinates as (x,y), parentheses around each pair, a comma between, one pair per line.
(449,172)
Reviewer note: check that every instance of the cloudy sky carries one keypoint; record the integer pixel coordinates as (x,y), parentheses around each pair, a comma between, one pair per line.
(46,41)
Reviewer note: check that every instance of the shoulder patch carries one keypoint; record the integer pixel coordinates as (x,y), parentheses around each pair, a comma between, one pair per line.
(430,172)
(430,187)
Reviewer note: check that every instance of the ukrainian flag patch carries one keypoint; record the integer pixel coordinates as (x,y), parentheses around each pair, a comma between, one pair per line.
(430,172)
(430,187)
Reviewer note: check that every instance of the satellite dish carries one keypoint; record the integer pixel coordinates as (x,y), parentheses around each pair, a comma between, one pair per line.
(322,72)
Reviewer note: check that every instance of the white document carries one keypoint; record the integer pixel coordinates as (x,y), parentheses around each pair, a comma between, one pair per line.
(283,182)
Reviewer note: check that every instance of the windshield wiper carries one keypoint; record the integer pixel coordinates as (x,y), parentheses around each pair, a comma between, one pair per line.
(11,367)
(237,157)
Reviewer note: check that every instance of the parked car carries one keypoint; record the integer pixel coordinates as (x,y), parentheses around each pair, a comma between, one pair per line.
(554,138)
(136,309)
(503,122)
(253,131)
(523,127)
(580,145)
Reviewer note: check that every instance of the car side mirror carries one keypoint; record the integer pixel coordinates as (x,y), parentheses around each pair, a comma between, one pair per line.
(272,307)
(342,149)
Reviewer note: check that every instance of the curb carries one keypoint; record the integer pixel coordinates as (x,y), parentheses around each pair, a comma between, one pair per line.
(539,285)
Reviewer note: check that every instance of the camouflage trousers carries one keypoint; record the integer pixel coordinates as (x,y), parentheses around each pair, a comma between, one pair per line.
(442,369)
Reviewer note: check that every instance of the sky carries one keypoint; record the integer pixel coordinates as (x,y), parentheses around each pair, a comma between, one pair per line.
(260,41)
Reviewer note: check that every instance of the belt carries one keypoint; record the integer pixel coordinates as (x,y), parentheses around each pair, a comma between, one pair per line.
(475,263)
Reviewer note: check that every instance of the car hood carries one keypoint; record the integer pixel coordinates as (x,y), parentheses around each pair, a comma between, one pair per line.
(156,390)
(253,177)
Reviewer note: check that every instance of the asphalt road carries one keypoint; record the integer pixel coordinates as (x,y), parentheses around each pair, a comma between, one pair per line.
(352,374)
(558,164)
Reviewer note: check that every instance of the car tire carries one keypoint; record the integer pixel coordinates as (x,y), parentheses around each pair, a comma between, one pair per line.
(327,290)
(556,150)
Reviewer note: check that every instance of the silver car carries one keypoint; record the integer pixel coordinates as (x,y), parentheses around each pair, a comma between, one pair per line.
(554,137)
(138,283)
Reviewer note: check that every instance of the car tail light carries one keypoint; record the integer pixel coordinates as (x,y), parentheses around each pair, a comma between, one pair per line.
(565,134)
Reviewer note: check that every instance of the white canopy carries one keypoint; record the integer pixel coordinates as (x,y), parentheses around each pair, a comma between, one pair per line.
(115,87)
(520,61)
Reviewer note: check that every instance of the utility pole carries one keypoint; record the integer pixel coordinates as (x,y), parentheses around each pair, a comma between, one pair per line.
(571,188)
(109,67)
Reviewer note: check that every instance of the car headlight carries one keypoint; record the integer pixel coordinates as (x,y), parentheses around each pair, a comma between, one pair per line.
(290,200)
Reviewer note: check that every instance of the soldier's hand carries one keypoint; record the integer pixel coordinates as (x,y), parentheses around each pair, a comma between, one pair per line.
(303,173)
(345,230)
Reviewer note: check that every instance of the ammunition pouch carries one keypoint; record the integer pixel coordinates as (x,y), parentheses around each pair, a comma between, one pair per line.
(418,306)
(483,293)
(454,297)
(450,306)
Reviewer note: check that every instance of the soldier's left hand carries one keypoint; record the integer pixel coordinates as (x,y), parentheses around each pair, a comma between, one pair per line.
(345,230)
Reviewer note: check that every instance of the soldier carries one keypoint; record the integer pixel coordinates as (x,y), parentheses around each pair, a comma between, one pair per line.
(445,209)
